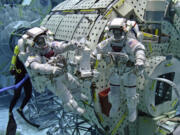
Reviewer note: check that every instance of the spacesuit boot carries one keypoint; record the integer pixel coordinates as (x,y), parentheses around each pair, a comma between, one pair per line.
(114,94)
(132,100)
(70,103)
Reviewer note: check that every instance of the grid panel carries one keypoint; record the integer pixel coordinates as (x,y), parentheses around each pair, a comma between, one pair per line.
(177,23)
(67,5)
(59,6)
(102,4)
(53,22)
(43,23)
(67,27)
(85,26)
(85,4)
(96,32)
(139,7)
(169,29)
(151,64)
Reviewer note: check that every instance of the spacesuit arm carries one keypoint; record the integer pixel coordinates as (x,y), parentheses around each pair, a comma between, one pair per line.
(24,43)
(137,49)
(35,64)
(22,48)
(140,57)
(21,45)
(61,47)
(133,26)
(45,68)
(102,47)
(139,52)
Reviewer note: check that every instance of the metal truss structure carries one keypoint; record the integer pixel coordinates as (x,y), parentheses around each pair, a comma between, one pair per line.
(47,110)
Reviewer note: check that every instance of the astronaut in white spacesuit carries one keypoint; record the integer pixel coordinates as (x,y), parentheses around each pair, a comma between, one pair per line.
(128,55)
(47,67)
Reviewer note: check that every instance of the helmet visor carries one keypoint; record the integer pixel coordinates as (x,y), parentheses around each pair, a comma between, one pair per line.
(118,33)
(40,42)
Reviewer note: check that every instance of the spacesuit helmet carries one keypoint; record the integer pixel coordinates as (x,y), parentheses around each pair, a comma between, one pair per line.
(40,42)
(38,36)
(117,26)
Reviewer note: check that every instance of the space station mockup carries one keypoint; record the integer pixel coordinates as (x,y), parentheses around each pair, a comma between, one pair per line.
(115,63)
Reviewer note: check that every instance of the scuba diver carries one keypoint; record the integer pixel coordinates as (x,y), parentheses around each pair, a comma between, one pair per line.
(18,70)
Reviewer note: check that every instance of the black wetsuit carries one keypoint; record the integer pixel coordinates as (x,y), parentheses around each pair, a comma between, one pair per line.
(26,85)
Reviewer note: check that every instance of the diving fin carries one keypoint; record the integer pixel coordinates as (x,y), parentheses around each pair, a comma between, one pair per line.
(29,122)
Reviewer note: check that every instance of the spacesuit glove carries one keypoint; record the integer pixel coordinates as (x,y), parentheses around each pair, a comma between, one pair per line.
(73,44)
(139,67)
(56,70)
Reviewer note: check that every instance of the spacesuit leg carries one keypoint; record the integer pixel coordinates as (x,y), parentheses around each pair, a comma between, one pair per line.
(131,95)
(69,102)
(74,86)
(114,95)
(114,99)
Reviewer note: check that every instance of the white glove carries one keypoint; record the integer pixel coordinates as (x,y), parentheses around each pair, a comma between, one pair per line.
(139,67)
(78,45)
(56,70)
(73,44)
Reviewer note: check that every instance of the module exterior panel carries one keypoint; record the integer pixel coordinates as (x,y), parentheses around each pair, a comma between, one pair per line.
(67,27)
(53,22)
(85,26)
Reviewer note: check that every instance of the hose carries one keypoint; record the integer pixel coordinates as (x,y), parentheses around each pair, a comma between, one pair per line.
(15,86)
(172,84)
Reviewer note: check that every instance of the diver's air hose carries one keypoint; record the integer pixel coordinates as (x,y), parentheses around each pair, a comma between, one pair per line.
(17,85)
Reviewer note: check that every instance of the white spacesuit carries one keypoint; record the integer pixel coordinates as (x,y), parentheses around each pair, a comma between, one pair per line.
(128,56)
(41,55)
